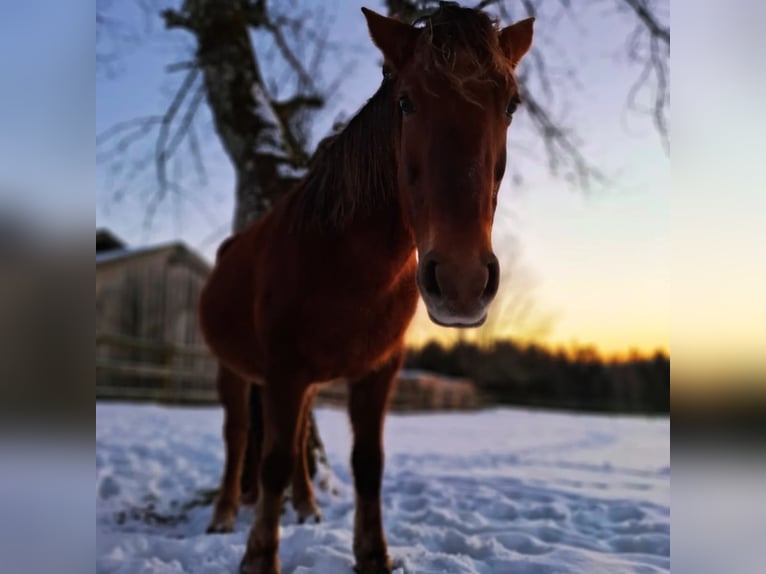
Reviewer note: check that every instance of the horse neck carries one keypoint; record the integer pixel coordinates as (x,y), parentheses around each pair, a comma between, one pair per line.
(386,229)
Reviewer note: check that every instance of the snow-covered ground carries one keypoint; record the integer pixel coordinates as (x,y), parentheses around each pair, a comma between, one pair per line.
(503,490)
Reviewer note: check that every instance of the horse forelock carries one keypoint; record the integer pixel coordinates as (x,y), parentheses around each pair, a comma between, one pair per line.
(461,46)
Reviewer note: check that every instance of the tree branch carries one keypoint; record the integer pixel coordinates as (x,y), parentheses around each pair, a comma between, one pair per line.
(649,46)
(561,146)
(649,20)
(175,20)
(161,151)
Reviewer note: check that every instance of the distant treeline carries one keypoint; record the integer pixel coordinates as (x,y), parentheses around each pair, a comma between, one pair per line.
(510,373)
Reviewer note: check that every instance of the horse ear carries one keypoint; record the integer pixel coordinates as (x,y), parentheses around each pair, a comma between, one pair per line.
(394,38)
(516,40)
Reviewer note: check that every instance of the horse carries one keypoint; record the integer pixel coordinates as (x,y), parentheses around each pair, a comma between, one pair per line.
(396,206)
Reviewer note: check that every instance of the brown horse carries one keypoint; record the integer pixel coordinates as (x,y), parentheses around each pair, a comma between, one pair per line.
(324,287)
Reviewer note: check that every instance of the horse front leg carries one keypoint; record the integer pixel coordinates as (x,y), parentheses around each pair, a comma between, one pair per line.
(282,405)
(302,490)
(368,400)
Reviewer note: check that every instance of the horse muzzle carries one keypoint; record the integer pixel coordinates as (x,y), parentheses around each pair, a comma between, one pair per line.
(457,293)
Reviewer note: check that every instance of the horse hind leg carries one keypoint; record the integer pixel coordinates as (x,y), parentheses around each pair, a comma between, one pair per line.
(302,490)
(233,393)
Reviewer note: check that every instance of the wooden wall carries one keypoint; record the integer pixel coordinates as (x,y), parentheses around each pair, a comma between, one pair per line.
(146,317)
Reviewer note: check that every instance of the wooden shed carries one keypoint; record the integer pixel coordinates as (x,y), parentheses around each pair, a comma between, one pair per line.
(148,340)
(423,390)
(416,391)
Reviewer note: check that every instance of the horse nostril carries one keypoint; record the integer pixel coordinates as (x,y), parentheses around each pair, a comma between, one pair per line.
(430,282)
(493,281)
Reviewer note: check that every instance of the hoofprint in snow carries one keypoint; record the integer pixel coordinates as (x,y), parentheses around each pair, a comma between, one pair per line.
(495,491)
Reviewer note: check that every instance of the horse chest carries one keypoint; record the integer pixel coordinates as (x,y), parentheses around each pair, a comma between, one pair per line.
(388,317)
(351,336)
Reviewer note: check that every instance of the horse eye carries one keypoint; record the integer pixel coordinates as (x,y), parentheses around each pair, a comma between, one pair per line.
(406,105)
(512,105)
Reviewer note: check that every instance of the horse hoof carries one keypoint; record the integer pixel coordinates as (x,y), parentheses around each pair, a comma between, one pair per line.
(221,525)
(374,565)
(308,513)
(219,528)
(260,564)
(312,518)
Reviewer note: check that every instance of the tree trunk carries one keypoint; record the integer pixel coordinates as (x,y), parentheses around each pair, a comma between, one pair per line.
(246,121)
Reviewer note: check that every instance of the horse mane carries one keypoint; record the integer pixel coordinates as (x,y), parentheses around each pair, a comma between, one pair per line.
(356,169)
(462,46)
(352,170)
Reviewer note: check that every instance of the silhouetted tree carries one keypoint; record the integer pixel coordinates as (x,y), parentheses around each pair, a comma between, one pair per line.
(509,373)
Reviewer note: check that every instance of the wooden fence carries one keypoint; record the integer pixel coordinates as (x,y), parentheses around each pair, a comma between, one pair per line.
(415,392)
(128,368)
(138,369)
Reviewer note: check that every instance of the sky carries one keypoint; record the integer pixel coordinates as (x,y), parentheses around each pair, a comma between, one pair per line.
(46,148)
(596,265)
(719,193)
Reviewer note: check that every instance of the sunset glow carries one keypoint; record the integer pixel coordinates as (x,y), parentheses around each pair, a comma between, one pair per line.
(578,267)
